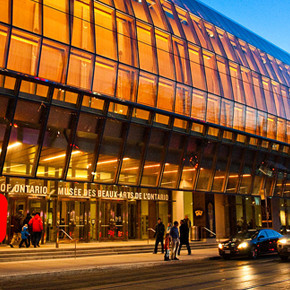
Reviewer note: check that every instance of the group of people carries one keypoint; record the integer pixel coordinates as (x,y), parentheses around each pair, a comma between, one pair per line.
(28,229)
(174,238)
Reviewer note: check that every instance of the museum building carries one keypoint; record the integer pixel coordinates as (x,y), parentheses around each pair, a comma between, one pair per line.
(116,112)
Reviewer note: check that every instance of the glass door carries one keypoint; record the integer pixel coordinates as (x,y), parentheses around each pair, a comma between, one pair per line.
(112,220)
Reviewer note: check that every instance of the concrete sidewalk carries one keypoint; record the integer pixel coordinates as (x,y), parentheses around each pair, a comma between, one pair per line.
(12,270)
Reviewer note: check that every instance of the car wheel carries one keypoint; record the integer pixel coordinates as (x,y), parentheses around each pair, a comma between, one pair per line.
(253,253)
(284,258)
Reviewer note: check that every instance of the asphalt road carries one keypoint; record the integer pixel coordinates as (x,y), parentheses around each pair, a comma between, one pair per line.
(263,273)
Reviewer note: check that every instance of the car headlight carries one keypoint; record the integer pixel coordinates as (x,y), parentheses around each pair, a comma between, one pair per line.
(243,245)
(282,241)
(220,246)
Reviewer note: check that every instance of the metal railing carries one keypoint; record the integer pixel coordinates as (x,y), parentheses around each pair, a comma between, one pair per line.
(70,238)
(209,231)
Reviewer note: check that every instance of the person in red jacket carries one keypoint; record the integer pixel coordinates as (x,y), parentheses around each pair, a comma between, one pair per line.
(37,228)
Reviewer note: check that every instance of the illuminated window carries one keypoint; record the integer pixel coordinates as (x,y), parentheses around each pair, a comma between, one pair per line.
(53,61)
(105,76)
(281,129)
(271,127)
(181,61)
(124,5)
(82,26)
(166,92)
(3,44)
(141,10)
(224,77)
(80,69)
(227,113)
(248,87)
(262,124)
(269,96)
(147,89)
(227,45)
(105,39)
(211,73)
(157,14)
(240,54)
(197,69)
(213,109)
(248,55)
(126,83)
(165,57)
(23,52)
(214,39)
(251,120)
(146,47)
(286,101)
(5,11)
(172,20)
(31,19)
(239,117)
(198,107)
(260,100)
(278,99)
(237,83)
(56,20)
(126,40)
(183,100)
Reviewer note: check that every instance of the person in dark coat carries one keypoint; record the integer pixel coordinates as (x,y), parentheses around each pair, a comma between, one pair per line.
(159,235)
(26,222)
(184,235)
(16,225)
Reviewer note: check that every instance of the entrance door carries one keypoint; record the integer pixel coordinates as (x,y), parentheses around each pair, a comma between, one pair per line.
(132,219)
(73,220)
(112,220)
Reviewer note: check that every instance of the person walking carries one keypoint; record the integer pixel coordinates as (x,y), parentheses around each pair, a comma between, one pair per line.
(24,236)
(16,227)
(184,235)
(26,222)
(159,235)
(37,228)
(174,240)
(166,247)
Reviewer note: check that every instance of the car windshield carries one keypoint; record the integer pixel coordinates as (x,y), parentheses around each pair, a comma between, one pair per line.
(245,235)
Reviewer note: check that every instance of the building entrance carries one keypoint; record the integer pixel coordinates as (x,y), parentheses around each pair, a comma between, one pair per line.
(74,219)
(112,220)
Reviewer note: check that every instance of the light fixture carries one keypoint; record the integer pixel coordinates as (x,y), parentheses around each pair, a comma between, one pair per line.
(60,156)
(16,144)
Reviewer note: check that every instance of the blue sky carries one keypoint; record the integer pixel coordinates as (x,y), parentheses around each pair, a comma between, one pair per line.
(267,18)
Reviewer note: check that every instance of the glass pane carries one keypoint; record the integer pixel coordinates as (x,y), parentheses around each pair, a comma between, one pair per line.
(211,73)
(269,96)
(214,39)
(53,61)
(146,47)
(105,76)
(147,89)
(23,52)
(82,32)
(164,55)
(166,92)
(260,100)
(198,108)
(80,71)
(227,113)
(23,142)
(281,129)
(93,103)
(105,39)
(154,155)
(206,166)
(248,87)
(213,109)
(271,127)
(239,117)
(183,100)
(30,20)
(237,83)
(181,62)
(224,77)
(286,101)
(56,140)
(133,152)
(251,120)
(278,99)
(65,96)
(227,45)
(172,161)
(126,83)
(81,166)
(197,69)
(200,31)
(3,118)
(34,89)
(3,43)
(124,5)
(56,20)
(108,159)
(189,169)
(157,14)
(171,20)
(5,11)
(126,40)
(141,10)
(248,55)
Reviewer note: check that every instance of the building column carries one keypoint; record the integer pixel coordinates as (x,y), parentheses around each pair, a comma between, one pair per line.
(177,206)
(220,216)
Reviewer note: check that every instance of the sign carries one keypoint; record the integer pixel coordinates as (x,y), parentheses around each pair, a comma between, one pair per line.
(99,192)
(3,217)
(198,212)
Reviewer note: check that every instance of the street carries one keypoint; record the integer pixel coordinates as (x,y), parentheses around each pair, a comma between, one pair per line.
(213,273)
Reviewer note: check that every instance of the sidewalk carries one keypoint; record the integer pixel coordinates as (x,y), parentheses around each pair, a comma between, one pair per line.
(11,270)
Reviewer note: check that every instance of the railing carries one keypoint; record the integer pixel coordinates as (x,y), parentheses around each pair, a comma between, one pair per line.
(70,238)
(209,231)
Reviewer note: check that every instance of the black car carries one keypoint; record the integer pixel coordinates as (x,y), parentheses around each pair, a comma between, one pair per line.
(251,243)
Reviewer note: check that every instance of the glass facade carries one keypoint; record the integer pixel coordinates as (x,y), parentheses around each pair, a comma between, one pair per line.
(147,94)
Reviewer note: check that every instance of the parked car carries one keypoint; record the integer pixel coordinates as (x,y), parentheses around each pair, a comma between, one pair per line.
(251,243)
(283,245)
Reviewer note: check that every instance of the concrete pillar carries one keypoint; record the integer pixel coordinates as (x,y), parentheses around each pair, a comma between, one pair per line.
(220,216)
(177,206)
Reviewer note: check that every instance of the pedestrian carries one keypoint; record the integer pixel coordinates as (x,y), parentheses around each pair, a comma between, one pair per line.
(16,227)
(184,234)
(26,221)
(166,247)
(169,226)
(159,235)
(174,235)
(37,228)
(24,236)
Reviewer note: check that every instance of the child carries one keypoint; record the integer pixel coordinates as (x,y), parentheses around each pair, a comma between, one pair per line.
(24,236)
(166,247)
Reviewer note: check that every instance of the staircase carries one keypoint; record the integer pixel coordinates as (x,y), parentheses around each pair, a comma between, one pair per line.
(16,254)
